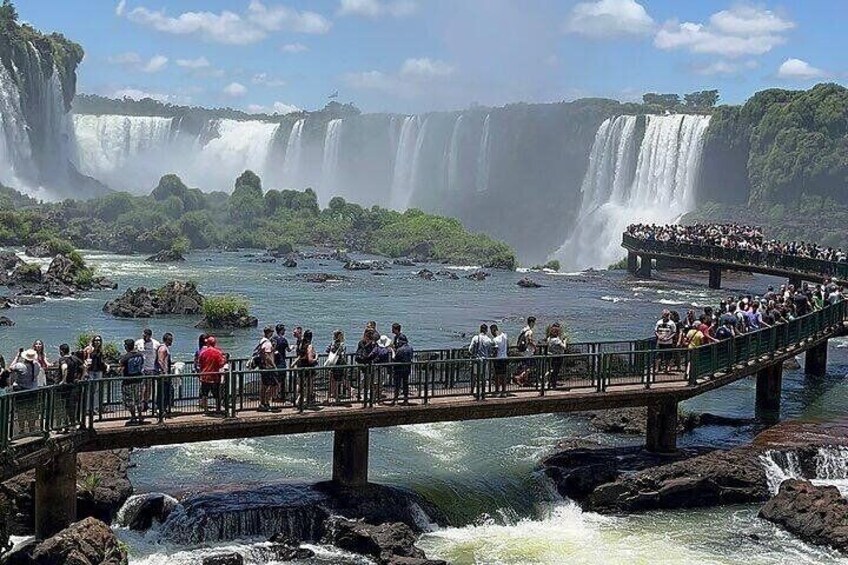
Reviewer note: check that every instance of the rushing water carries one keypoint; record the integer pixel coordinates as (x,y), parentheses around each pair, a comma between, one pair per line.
(480,473)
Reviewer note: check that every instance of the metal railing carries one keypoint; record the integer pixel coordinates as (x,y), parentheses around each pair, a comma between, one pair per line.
(433,376)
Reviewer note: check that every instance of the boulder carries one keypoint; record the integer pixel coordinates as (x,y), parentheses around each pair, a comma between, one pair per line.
(39,250)
(230,558)
(383,543)
(420,251)
(426,274)
(232,321)
(281,251)
(357,266)
(6,303)
(26,273)
(28,300)
(62,269)
(404,262)
(88,542)
(166,256)
(717,478)
(477,276)
(290,262)
(141,511)
(448,275)
(318,278)
(264,259)
(176,298)
(103,488)
(104,283)
(283,548)
(6,322)
(9,260)
(526,282)
(634,421)
(816,514)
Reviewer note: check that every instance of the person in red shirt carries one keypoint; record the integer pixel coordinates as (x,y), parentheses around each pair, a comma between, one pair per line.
(211,361)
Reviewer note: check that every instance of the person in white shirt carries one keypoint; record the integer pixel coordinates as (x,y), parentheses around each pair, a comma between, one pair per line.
(664,330)
(501,363)
(148,347)
(527,348)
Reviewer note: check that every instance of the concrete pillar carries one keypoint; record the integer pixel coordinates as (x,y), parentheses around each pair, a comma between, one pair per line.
(632,262)
(815,360)
(55,495)
(350,457)
(715,277)
(769,385)
(644,270)
(662,427)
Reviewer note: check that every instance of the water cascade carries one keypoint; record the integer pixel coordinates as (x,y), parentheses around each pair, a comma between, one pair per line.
(623,186)
(780,466)
(15,148)
(453,162)
(330,160)
(294,154)
(483,153)
(404,173)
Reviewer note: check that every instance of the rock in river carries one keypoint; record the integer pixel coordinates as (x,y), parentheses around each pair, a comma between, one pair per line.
(175,298)
(88,542)
(166,256)
(384,543)
(816,514)
(528,283)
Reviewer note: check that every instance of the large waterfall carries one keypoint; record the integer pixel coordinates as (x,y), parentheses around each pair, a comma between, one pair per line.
(657,183)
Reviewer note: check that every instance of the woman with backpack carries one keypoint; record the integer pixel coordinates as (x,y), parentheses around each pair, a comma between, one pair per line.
(307,360)
(527,348)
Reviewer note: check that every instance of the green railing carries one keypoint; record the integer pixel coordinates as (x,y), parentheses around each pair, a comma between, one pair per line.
(433,375)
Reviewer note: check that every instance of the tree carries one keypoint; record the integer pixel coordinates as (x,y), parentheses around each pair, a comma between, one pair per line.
(701,99)
(8,13)
(169,185)
(247,203)
(666,101)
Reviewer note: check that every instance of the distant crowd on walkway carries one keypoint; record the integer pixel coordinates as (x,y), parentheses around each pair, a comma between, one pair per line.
(734,236)
(272,357)
(736,315)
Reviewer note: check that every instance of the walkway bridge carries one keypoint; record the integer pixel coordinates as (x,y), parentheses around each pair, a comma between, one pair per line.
(444,385)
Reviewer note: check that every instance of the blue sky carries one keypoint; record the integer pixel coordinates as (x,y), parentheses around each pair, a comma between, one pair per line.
(417,55)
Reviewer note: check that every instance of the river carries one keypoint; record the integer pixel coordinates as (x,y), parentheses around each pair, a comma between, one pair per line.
(480,474)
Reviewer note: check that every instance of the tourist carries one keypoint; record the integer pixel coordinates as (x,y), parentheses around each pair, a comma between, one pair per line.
(298,335)
(557,347)
(307,359)
(402,367)
(336,360)
(94,359)
(526,346)
(266,364)
(147,346)
(726,330)
(201,344)
(281,351)
(212,362)
(664,331)
(132,369)
(380,355)
(500,344)
(165,366)
(481,345)
(396,334)
(70,373)
(43,363)
(25,370)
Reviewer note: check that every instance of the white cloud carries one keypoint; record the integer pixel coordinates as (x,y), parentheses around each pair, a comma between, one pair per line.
(796,69)
(228,27)
(737,32)
(155,64)
(138,94)
(266,80)
(377,8)
(134,61)
(412,78)
(235,90)
(277,108)
(120,8)
(609,18)
(194,64)
(294,48)
(723,67)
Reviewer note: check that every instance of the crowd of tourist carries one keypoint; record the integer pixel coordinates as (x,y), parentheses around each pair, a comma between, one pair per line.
(734,236)
(736,315)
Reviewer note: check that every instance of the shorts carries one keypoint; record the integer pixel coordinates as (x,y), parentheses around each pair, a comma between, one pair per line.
(500,367)
(269,378)
(664,355)
(210,388)
(131,392)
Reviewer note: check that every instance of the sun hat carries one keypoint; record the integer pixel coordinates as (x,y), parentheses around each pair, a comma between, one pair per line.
(384,341)
(30,355)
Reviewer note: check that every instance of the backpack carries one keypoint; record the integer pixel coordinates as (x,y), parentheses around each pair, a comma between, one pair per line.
(74,368)
(135,365)
(522,341)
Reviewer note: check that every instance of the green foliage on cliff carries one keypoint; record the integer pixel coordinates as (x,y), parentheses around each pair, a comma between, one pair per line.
(175,215)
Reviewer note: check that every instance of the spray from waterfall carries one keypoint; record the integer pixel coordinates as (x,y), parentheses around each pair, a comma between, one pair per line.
(330,160)
(294,154)
(621,187)
(453,164)
(482,178)
(403,170)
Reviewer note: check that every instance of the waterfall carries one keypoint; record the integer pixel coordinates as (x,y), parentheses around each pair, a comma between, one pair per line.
(15,148)
(330,160)
(832,463)
(453,180)
(403,171)
(482,178)
(294,153)
(780,466)
(106,144)
(621,187)
(415,168)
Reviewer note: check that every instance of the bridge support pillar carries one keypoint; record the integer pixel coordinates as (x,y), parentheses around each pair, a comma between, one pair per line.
(815,360)
(55,495)
(644,270)
(662,427)
(632,262)
(769,384)
(350,457)
(715,277)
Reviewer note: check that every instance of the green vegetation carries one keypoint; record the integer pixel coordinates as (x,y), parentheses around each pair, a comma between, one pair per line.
(176,217)
(89,483)
(28,271)
(704,100)
(552,265)
(218,308)
(618,265)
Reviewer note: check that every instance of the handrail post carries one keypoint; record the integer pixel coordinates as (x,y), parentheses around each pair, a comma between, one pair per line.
(231,384)
(300,391)
(160,397)
(5,421)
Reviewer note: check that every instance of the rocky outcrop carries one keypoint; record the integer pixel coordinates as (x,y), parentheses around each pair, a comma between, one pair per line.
(234,321)
(64,277)
(103,488)
(9,261)
(403,262)
(166,256)
(526,282)
(280,251)
(634,421)
(88,542)
(816,514)
(716,478)
(384,543)
(39,250)
(290,262)
(175,298)
(450,275)
(282,548)
(6,322)
(141,511)
(366,265)
(477,276)
(229,558)
(320,278)
(426,274)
